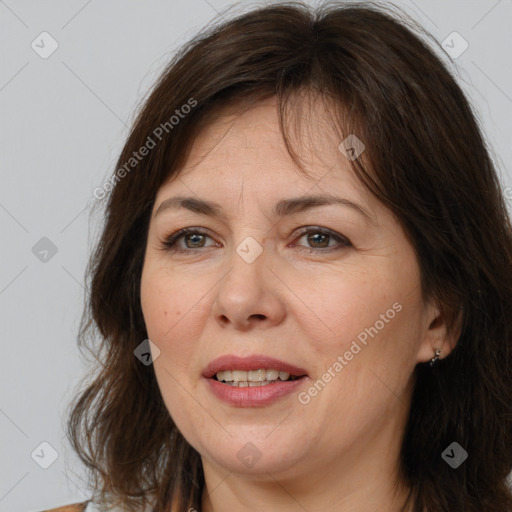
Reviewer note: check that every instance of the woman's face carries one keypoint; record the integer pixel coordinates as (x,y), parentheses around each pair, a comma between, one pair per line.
(329,290)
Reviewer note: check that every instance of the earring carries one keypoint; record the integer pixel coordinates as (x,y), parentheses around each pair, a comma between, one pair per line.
(436,356)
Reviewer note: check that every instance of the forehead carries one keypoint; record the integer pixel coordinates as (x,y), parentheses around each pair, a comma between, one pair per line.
(245,148)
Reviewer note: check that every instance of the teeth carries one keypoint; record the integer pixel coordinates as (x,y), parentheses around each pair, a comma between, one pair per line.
(244,384)
(256,376)
(227,376)
(251,378)
(239,375)
(272,374)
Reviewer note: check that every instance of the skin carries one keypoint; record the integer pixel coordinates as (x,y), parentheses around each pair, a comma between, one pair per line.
(340,450)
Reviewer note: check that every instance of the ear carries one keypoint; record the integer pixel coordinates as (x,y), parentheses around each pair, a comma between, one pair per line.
(436,335)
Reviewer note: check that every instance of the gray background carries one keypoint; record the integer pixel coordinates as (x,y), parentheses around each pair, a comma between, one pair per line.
(63,120)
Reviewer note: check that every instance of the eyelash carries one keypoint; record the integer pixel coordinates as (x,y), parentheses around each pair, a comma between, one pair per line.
(171,241)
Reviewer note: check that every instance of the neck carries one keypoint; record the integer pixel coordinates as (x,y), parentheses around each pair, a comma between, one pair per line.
(235,493)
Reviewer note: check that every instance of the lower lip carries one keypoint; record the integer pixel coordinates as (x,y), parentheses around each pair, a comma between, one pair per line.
(255,396)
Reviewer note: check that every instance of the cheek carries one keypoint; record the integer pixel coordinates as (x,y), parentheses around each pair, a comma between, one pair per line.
(169,310)
(341,306)
(174,313)
(169,306)
(372,320)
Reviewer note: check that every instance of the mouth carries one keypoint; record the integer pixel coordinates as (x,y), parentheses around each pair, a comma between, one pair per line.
(263,379)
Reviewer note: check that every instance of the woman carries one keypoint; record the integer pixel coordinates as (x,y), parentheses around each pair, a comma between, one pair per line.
(304,281)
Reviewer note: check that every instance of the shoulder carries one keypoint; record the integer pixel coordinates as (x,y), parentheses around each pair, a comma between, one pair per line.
(75,507)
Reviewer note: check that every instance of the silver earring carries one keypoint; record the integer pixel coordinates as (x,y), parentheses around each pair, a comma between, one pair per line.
(436,356)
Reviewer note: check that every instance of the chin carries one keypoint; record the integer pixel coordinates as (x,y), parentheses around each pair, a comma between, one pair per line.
(252,451)
(259,468)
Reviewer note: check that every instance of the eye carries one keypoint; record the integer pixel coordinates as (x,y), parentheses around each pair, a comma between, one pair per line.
(320,239)
(192,238)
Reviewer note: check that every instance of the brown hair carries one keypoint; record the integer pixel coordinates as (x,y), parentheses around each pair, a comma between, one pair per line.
(425,159)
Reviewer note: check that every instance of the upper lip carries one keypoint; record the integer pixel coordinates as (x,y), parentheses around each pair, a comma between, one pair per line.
(254,362)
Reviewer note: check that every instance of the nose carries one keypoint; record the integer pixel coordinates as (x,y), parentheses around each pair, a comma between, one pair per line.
(250,295)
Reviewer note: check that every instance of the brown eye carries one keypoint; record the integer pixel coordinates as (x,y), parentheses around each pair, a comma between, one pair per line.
(320,239)
(196,240)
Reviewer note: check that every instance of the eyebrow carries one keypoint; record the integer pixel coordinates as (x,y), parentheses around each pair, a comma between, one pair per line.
(282,208)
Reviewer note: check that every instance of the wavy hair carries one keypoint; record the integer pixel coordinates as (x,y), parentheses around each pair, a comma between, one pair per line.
(425,159)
